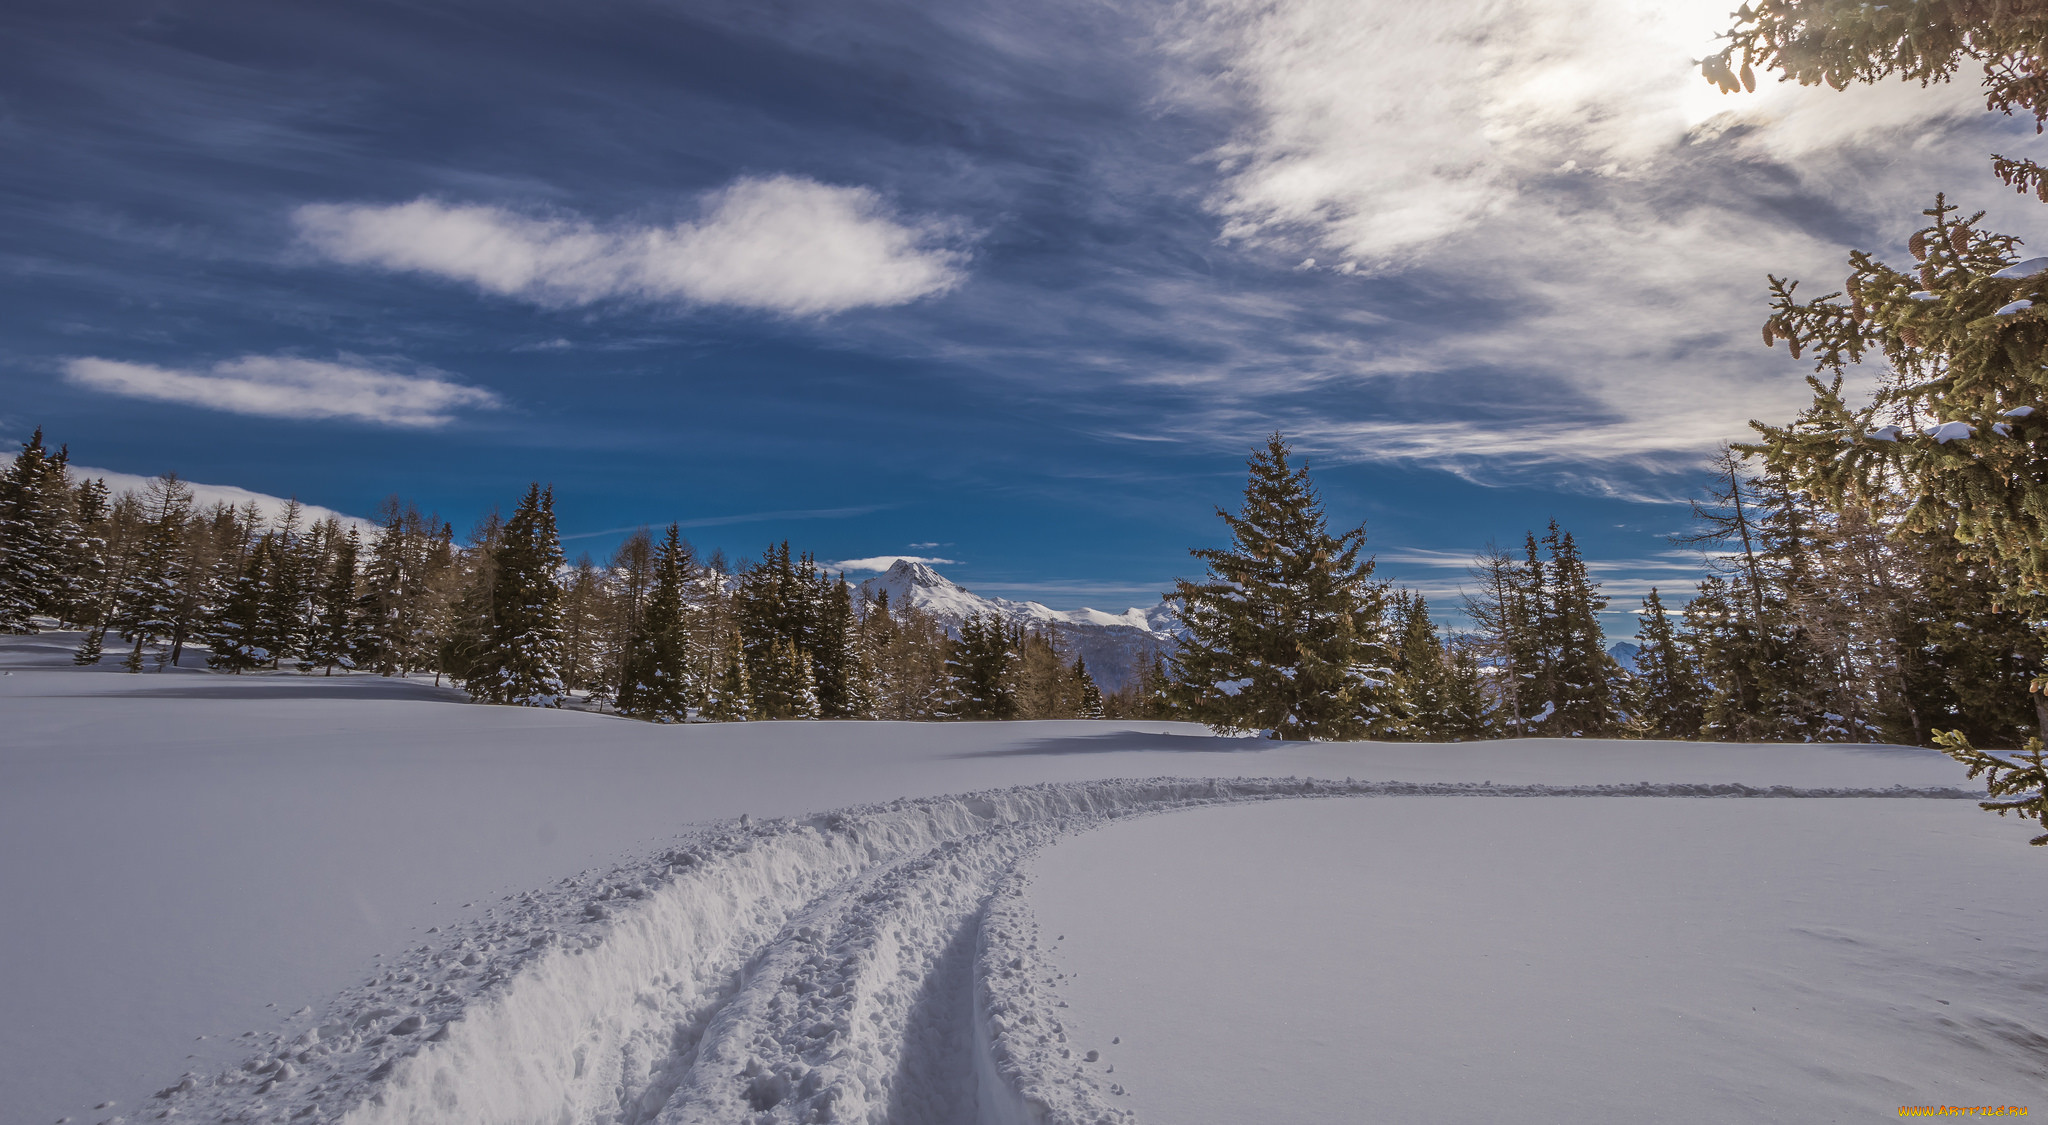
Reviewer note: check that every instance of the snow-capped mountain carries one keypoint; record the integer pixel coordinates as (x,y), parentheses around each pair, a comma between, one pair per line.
(1624,654)
(1115,645)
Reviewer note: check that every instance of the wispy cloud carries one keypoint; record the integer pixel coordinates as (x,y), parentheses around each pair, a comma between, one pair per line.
(779,244)
(1560,201)
(288,387)
(884,562)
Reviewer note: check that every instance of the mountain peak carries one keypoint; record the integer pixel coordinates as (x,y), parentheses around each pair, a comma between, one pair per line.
(911,573)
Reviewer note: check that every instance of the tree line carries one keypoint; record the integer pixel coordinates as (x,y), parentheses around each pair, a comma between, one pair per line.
(655,631)
(1815,623)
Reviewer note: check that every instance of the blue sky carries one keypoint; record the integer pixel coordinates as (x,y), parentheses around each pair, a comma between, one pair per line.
(1014,284)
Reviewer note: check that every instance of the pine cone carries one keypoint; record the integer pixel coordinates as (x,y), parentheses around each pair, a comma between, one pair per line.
(1959,240)
(1927,277)
(1918,245)
(1770,337)
(1909,337)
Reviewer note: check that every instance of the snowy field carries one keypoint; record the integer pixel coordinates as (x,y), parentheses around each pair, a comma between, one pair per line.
(311,898)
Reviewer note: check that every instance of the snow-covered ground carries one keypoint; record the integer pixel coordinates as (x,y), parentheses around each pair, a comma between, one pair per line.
(376,901)
(1494,959)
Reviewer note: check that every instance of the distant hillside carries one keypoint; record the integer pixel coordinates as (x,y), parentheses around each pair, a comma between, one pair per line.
(1115,645)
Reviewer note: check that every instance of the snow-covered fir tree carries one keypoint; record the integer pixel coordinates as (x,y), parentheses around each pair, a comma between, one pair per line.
(336,638)
(658,680)
(1287,632)
(979,684)
(35,528)
(1664,693)
(520,660)
(238,635)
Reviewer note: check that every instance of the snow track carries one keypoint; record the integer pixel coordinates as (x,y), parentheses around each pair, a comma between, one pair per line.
(877,964)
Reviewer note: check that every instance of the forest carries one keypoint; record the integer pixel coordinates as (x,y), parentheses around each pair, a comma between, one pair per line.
(1809,625)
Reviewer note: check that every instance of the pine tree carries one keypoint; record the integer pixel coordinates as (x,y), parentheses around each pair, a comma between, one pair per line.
(84,592)
(472,613)
(237,636)
(731,695)
(1423,673)
(1665,696)
(979,684)
(1090,706)
(287,587)
(834,651)
(1286,635)
(397,604)
(1468,715)
(337,636)
(521,658)
(151,603)
(34,510)
(657,683)
(1582,675)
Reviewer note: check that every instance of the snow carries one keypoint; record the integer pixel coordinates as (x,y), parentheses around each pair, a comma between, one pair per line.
(2020,412)
(1885,433)
(2025,269)
(1950,431)
(1923,295)
(564,916)
(1115,645)
(2020,305)
(1551,960)
(206,495)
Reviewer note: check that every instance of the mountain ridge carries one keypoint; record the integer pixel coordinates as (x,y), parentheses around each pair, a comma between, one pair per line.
(1115,645)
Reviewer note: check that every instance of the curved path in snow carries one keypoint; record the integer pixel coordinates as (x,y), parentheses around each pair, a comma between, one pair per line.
(875,964)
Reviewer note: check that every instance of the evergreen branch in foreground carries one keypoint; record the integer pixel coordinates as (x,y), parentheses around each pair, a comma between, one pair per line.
(2018,776)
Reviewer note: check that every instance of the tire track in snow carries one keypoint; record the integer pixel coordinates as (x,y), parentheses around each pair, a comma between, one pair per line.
(875,964)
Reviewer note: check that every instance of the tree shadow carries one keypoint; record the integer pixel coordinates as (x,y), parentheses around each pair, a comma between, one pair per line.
(1124,741)
(312,687)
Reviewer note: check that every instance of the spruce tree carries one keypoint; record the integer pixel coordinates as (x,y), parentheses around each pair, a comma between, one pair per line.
(151,603)
(236,635)
(465,640)
(657,681)
(979,684)
(1468,714)
(287,587)
(84,596)
(34,511)
(1582,675)
(834,651)
(1090,705)
(1665,695)
(731,699)
(1286,634)
(521,658)
(337,638)
(1423,673)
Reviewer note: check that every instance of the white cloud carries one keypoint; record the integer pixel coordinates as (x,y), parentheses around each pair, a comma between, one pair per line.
(779,244)
(884,562)
(1593,213)
(287,387)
